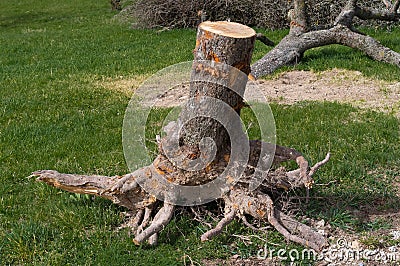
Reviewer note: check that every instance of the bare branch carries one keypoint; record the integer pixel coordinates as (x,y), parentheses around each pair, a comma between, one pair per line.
(346,16)
(395,7)
(298,18)
(388,4)
(368,45)
(264,39)
(290,49)
(366,13)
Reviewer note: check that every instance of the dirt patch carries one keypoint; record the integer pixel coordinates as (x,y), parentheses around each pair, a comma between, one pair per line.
(333,85)
(295,86)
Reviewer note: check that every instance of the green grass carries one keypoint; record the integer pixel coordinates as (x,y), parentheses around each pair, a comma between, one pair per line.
(54,115)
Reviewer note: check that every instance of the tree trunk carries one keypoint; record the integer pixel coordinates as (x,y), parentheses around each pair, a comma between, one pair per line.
(209,123)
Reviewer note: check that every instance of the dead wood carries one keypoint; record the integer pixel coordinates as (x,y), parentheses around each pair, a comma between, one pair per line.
(126,192)
(231,44)
(300,39)
(185,160)
(264,39)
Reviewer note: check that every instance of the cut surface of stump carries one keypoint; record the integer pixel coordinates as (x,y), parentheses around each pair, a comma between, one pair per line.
(227,29)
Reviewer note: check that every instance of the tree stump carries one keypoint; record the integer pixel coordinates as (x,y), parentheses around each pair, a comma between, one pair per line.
(209,126)
(205,154)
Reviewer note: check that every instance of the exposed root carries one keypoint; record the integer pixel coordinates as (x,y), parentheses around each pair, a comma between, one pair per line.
(161,219)
(261,206)
(199,218)
(102,186)
(252,227)
(239,201)
(319,164)
(133,222)
(136,220)
(153,239)
(229,217)
(145,221)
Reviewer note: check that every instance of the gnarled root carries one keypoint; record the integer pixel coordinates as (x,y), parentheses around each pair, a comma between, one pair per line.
(239,201)
(161,219)
(112,188)
(229,217)
(260,206)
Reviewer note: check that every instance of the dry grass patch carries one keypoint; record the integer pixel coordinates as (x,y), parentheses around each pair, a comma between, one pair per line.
(124,85)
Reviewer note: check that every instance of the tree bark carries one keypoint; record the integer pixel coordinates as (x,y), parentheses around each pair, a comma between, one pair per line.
(226,44)
(202,134)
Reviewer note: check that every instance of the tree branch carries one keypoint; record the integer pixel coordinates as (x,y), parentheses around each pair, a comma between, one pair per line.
(290,49)
(366,13)
(395,7)
(388,4)
(366,44)
(264,39)
(298,18)
(347,14)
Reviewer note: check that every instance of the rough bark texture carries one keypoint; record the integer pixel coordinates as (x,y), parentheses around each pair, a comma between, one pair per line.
(291,48)
(222,49)
(231,44)
(226,43)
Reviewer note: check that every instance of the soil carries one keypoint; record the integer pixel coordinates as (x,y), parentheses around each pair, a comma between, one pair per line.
(334,85)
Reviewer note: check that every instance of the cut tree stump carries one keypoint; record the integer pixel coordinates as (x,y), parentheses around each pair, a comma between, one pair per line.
(206,140)
(221,64)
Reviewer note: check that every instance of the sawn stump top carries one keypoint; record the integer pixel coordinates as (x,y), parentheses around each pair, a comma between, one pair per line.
(228,29)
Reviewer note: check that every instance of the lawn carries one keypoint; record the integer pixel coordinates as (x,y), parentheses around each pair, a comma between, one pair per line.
(55,114)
